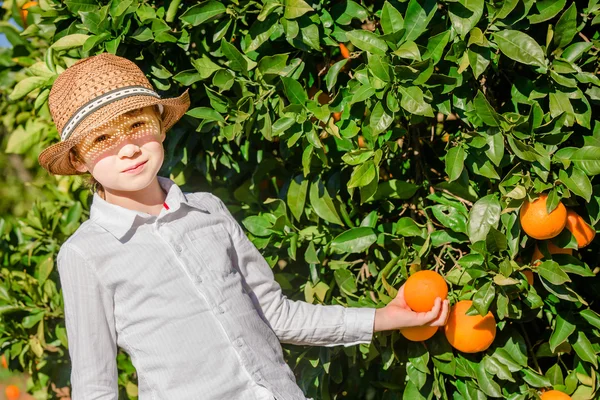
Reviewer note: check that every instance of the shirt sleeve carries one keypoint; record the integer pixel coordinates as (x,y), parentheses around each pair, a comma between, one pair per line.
(295,322)
(90,328)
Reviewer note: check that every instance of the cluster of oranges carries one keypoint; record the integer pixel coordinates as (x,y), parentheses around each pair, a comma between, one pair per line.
(541,225)
(466,333)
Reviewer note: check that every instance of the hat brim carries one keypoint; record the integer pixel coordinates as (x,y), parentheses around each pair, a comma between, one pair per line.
(55,159)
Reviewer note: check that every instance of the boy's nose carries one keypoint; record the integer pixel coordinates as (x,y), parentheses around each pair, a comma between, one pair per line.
(129,149)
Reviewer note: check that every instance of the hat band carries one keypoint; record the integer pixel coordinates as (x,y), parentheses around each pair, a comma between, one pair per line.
(101,101)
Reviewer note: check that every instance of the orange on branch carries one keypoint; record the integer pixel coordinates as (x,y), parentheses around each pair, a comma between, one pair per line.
(552,249)
(421,289)
(24,11)
(469,333)
(12,392)
(418,333)
(528,275)
(344,51)
(537,223)
(554,395)
(580,229)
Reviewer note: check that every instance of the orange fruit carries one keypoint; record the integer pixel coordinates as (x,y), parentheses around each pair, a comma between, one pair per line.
(344,51)
(552,248)
(537,223)
(12,392)
(361,142)
(529,275)
(555,395)
(469,334)
(421,289)
(418,333)
(4,362)
(24,11)
(580,229)
(337,116)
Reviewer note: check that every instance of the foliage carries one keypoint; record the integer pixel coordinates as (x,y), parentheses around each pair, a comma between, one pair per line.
(452,114)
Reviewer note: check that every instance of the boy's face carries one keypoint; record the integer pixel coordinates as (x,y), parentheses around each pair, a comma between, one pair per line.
(110,152)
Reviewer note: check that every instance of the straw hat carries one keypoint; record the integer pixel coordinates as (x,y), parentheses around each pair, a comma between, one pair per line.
(93,91)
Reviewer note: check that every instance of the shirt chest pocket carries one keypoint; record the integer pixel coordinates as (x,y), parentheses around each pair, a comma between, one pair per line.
(212,250)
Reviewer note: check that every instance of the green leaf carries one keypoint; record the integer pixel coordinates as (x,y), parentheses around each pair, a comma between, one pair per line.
(69,42)
(296,196)
(205,113)
(345,280)
(483,298)
(355,240)
(547,9)
(296,8)
(379,66)
(561,332)
(205,67)
(464,15)
(413,101)
(395,189)
(407,227)
(577,182)
(591,317)
(535,379)
(436,46)
(391,19)
(237,61)
(201,13)
(555,375)
(495,241)
(272,64)
(333,72)
(485,111)
(560,103)
(362,175)
(368,41)
(520,47)
(380,119)
(550,270)
(294,91)
(417,17)
(484,215)
(322,202)
(584,349)
(587,159)
(44,268)
(455,162)
(26,86)
(566,27)
(495,151)
(487,384)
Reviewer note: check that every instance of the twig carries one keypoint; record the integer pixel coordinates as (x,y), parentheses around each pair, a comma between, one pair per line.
(467,202)
(530,348)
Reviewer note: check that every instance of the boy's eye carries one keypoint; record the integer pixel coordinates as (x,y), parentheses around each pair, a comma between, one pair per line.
(100,139)
(137,125)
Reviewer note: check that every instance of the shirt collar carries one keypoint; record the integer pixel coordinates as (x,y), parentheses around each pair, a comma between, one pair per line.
(119,220)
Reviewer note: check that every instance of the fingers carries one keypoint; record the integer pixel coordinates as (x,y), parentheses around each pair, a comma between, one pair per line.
(443,316)
(400,298)
(438,314)
(425,318)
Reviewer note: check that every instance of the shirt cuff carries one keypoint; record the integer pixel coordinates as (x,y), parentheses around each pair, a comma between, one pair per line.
(359,322)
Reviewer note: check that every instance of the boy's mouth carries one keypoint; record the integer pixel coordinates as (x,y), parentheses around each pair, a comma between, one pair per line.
(135,166)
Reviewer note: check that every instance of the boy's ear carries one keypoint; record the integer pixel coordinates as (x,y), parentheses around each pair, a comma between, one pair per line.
(78,165)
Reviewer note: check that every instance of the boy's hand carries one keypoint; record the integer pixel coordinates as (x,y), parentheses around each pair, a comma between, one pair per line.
(397,315)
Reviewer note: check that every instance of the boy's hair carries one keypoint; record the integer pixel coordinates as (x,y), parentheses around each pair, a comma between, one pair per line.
(90,181)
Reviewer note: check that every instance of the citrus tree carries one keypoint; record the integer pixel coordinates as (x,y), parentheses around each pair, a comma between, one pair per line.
(358,143)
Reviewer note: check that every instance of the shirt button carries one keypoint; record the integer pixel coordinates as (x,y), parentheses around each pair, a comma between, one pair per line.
(220,309)
(198,279)
(178,248)
(239,342)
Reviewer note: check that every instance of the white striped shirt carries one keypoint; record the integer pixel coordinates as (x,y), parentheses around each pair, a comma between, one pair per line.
(191,300)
